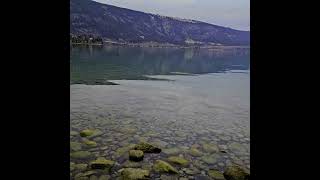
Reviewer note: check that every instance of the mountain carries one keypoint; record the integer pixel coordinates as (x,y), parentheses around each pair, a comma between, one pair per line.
(120,24)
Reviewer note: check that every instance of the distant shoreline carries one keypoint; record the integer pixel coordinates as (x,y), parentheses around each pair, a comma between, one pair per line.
(165,45)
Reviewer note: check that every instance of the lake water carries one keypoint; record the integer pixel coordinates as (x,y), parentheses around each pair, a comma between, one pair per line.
(202,115)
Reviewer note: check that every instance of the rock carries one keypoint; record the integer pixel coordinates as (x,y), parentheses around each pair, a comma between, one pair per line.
(182,178)
(86,133)
(90,133)
(135,174)
(216,175)
(72,166)
(166,177)
(75,146)
(161,166)
(147,148)
(192,171)
(90,143)
(202,177)
(131,164)
(101,163)
(195,152)
(93,177)
(123,150)
(210,159)
(178,160)
(104,177)
(73,133)
(136,155)
(235,172)
(81,167)
(81,155)
(172,151)
(237,148)
(210,148)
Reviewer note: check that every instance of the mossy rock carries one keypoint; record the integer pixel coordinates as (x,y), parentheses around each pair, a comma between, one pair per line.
(90,133)
(75,146)
(172,151)
(73,133)
(235,172)
(85,175)
(86,132)
(104,177)
(210,148)
(210,159)
(131,164)
(135,174)
(72,166)
(164,167)
(123,150)
(90,143)
(147,148)
(136,155)
(195,152)
(216,175)
(80,155)
(81,167)
(178,160)
(101,163)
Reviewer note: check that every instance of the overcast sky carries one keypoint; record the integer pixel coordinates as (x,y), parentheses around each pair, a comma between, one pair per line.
(229,13)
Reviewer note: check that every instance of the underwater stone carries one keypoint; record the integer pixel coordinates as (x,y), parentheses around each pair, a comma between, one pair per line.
(178,160)
(101,163)
(236,172)
(135,174)
(136,155)
(75,146)
(216,175)
(162,166)
(80,154)
(147,148)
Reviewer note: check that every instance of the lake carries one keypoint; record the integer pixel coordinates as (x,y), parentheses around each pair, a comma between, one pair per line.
(191,103)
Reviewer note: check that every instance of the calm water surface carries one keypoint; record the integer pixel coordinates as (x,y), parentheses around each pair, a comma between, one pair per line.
(206,110)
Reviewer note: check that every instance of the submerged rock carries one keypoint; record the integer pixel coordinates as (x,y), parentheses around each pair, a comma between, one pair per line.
(90,143)
(210,148)
(195,152)
(101,163)
(80,154)
(172,151)
(237,148)
(178,160)
(90,133)
(75,146)
(147,148)
(236,172)
(210,159)
(136,155)
(131,164)
(162,166)
(216,175)
(166,177)
(81,167)
(123,150)
(135,174)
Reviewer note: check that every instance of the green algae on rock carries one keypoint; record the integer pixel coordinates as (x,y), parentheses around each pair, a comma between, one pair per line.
(135,174)
(80,154)
(90,133)
(235,172)
(215,174)
(123,150)
(178,160)
(164,167)
(101,163)
(90,143)
(81,167)
(72,166)
(147,148)
(210,159)
(136,155)
(131,164)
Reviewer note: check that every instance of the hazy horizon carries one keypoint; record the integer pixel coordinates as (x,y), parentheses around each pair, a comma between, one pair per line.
(234,14)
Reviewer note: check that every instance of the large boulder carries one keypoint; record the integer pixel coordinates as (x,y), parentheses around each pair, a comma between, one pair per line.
(164,167)
(135,174)
(235,172)
(136,155)
(147,148)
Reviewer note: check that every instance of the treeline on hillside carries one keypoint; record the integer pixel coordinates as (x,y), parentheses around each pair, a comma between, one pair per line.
(85,39)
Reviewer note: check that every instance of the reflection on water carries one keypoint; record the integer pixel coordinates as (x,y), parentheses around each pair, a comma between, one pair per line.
(204,119)
(94,63)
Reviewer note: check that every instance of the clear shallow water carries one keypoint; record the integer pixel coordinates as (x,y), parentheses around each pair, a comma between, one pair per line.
(178,116)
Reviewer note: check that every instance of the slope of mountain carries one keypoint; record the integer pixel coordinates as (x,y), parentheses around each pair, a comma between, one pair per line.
(120,24)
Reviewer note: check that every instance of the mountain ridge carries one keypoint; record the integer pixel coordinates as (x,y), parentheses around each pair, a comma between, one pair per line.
(123,24)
